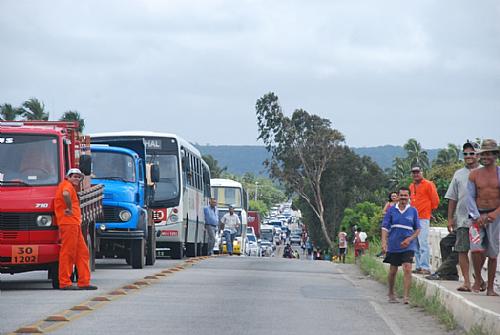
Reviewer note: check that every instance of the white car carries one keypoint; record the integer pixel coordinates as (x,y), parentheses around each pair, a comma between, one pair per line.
(266,249)
(251,246)
(216,249)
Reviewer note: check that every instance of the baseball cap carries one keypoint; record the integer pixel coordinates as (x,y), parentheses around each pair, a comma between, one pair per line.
(472,145)
(416,169)
(74,171)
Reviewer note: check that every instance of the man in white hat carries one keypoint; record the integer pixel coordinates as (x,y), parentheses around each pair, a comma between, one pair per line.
(484,210)
(74,250)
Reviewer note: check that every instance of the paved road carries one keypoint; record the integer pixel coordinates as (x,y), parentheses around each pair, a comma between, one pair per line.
(230,295)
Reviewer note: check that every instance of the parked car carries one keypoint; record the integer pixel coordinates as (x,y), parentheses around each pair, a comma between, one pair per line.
(295,239)
(266,248)
(251,246)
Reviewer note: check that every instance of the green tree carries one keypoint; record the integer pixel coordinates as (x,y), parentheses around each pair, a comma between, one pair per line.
(416,155)
(365,215)
(74,116)
(215,170)
(34,109)
(300,147)
(259,206)
(8,113)
(450,155)
(400,173)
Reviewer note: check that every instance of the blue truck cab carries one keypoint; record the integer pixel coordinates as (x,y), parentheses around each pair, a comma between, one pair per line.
(127,228)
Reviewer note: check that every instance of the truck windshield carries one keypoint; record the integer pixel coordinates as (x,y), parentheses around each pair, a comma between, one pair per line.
(28,160)
(168,187)
(226,196)
(113,166)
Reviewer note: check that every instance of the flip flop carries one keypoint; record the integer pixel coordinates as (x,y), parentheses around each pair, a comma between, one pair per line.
(464,289)
(483,286)
(406,301)
(392,300)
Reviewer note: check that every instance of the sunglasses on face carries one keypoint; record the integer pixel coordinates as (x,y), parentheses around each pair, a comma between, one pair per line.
(469,154)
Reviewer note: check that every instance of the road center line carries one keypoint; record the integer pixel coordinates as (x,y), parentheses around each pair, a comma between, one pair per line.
(388,321)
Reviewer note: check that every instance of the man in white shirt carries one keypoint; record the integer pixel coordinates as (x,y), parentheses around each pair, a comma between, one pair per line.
(231,222)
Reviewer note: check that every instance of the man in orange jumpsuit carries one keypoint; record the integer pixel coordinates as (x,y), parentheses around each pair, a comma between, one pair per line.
(425,199)
(74,250)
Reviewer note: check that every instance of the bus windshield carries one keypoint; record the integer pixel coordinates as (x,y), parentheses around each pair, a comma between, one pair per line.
(226,196)
(28,160)
(168,187)
(114,166)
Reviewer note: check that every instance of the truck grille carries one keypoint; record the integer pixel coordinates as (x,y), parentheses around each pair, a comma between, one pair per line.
(111,213)
(8,235)
(21,221)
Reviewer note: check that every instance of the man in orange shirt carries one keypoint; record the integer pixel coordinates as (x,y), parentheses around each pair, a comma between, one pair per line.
(425,199)
(74,250)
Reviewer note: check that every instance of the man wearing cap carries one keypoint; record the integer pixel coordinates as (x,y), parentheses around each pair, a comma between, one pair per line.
(425,199)
(458,216)
(74,250)
(484,210)
(231,222)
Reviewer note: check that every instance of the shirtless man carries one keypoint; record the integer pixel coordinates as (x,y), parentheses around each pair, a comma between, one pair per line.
(484,210)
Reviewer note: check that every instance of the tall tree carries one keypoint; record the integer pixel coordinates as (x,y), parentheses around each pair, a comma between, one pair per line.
(416,155)
(9,113)
(215,170)
(34,109)
(450,155)
(300,147)
(74,116)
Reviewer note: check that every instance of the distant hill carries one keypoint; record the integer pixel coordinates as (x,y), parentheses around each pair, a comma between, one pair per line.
(240,159)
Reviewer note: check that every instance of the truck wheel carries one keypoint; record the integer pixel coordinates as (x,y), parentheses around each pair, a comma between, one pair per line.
(151,247)
(190,250)
(137,253)
(177,251)
(204,249)
(54,275)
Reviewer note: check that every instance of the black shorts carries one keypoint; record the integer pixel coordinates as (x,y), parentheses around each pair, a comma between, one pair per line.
(398,258)
(342,251)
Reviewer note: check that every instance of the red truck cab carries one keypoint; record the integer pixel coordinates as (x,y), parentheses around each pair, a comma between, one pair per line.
(34,157)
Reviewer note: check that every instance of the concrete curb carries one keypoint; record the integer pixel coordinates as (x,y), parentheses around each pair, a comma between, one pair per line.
(467,314)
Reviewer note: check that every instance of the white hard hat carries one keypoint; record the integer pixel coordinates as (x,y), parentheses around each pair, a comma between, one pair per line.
(74,171)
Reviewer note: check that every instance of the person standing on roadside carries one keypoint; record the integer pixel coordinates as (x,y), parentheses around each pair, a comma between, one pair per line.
(211,223)
(74,251)
(342,236)
(231,222)
(425,199)
(484,209)
(458,224)
(400,229)
(391,201)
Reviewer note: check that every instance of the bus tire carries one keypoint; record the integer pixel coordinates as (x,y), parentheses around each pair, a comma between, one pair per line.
(190,250)
(137,254)
(54,275)
(177,251)
(151,247)
(204,249)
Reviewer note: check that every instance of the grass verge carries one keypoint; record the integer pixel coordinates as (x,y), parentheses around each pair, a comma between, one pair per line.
(431,304)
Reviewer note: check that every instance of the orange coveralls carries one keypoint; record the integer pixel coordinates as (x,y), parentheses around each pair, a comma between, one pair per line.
(74,250)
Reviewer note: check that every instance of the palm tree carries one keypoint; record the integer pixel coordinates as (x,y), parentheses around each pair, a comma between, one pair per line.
(400,173)
(34,109)
(448,156)
(8,113)
(416,155)
(74,116)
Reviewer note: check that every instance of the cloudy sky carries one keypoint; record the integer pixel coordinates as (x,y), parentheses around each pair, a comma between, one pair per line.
(381,71)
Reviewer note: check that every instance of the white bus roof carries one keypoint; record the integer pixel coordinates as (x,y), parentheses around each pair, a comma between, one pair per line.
(217,182)
(138,133)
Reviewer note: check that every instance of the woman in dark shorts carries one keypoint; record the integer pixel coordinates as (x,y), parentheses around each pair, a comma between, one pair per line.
(400,229)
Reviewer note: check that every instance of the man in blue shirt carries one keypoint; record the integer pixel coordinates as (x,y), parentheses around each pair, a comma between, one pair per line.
(211,222)
(400,229)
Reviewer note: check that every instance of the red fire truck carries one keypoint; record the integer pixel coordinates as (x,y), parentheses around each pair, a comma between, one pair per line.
(34,157)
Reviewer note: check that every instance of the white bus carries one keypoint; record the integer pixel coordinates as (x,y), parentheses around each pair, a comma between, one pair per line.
(179,196)
(230,192)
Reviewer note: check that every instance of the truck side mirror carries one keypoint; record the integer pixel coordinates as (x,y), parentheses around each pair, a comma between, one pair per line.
(85,164)
(155,173)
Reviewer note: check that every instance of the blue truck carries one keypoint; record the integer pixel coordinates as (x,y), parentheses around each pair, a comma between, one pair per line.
(127,229)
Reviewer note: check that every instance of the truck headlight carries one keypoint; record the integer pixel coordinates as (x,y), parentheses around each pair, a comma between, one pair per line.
(44,220)
(124,215)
